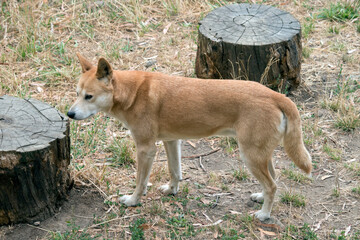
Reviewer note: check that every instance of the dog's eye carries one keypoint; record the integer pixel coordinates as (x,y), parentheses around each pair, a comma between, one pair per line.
(88,97)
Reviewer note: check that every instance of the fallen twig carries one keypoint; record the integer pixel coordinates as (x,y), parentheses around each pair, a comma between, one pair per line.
(194,156)
(43,229)
(207,217)
(317,226)
(201,165)
(208,225)
(111,220)
(203,154)
(218,194)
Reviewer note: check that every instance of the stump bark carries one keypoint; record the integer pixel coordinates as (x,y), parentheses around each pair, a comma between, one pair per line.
(254,42)
(34,160)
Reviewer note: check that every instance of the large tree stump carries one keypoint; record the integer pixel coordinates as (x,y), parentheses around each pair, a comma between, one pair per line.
(34,159)
(255,42)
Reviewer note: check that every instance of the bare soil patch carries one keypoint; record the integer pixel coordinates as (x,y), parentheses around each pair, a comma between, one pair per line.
(82,208)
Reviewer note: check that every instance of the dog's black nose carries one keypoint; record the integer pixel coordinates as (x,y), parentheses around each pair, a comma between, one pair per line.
(71,114)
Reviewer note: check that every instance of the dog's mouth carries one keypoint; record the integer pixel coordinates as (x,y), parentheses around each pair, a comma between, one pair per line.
(73,115)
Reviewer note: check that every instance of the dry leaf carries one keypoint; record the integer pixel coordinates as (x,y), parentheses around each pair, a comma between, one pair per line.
(145,226)
(326,177)
(205,201)
(179,205)
(234,212)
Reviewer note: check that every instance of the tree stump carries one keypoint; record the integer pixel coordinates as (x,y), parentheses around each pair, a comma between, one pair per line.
(34,160)
(254,42)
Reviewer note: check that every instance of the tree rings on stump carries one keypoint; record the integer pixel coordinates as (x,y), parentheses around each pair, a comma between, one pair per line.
(254,42)
(34,160)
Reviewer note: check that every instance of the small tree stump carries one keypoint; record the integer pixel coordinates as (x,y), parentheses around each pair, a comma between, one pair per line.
(255,42)
(34,160)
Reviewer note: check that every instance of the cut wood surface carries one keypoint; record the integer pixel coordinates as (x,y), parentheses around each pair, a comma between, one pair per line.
(250,41)
(34,160)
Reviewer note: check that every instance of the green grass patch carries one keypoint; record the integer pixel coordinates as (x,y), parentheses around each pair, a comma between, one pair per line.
(295,200)
(336,192)
(180,228)
(155,209)
(306,52)
(343,236)
(86,138)
(354,166)
(75,233)
(241,174)
(341,11)
(356,190)
(348,122)
(308,27)
(122,153)
(137,232)
(231,234)
(171,7)
(229,144)
(295,176)
(334,29)
(338,47)
(304,232)
(344,103)
(333,153)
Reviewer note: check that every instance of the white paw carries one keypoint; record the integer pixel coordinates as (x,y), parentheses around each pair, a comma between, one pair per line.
(261,215)
(309,175)
(167,189)
(257,197)
(129,200)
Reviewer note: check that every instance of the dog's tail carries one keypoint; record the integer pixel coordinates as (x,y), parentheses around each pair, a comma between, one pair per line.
(293,141)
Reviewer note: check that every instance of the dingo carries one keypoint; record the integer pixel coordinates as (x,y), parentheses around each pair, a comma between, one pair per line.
(156,106)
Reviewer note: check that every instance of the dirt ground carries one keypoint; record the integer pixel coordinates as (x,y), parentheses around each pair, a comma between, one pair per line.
(75,211)
(38,41)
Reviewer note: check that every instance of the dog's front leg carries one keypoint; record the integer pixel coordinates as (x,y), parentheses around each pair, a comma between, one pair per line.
(145,157)
(173,152)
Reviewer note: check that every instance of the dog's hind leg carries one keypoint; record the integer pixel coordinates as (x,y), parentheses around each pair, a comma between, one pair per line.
(258,161)
(271,169)
(259,197)
(145,158)
(173,151)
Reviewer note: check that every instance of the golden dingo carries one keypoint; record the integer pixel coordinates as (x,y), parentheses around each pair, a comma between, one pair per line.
(156,106)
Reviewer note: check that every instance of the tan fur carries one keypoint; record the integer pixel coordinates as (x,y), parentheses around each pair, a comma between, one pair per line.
(156,106)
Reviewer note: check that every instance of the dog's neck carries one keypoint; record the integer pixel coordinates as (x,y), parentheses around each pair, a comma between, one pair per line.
(126,86)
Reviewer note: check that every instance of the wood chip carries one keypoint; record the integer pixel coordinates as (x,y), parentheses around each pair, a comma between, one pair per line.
(268,233)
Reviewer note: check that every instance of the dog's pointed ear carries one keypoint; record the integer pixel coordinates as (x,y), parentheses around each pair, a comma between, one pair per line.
(85,64)
(104,69)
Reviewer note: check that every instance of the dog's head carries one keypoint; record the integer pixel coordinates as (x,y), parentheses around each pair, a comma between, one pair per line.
(94,90)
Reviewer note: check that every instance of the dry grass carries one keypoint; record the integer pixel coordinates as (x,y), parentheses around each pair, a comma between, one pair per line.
(38,41)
